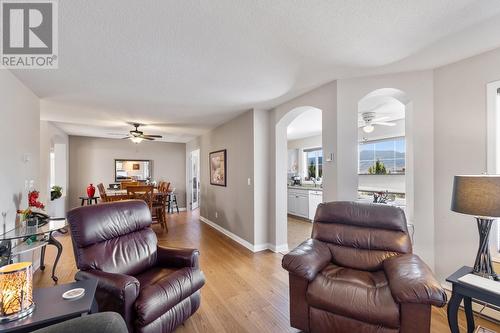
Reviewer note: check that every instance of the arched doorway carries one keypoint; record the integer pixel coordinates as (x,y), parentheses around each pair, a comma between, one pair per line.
(283,171)
(385,150)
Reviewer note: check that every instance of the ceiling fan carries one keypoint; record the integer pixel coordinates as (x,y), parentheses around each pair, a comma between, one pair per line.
(370,119)
(137,136)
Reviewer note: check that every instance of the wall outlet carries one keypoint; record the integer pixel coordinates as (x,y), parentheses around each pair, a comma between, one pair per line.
(216,215)
(249,181)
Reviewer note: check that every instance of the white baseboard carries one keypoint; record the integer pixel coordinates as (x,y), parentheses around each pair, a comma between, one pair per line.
(241,241)
(229,234)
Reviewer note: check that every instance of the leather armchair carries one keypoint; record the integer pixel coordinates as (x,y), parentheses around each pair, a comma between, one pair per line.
(154,288)
(357,273)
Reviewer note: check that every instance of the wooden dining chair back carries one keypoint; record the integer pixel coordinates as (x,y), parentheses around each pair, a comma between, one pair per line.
(164,187)
(124,185)
(159,209)
(142,192)
(102,192)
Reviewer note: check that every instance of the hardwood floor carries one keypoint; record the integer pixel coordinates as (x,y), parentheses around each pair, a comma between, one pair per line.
(244,292)
(297,231)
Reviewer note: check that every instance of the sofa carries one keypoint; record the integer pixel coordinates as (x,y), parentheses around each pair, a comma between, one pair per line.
(154,288)
(357,273)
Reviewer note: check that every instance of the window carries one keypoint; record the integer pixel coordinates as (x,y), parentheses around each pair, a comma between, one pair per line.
(314,163)
(381,157)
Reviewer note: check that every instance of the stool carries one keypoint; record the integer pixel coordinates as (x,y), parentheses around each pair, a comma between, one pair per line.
(172,200)
(88,200)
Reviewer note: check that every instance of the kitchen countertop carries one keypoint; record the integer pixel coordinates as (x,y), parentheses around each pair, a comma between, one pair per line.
(305,188)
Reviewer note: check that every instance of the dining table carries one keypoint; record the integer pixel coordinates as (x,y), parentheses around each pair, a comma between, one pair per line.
(121,194)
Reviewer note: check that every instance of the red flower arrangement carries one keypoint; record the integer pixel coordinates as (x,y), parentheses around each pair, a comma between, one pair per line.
(33,200)
(32,203)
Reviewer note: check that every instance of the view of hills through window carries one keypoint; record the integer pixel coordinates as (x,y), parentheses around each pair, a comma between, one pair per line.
(389,152)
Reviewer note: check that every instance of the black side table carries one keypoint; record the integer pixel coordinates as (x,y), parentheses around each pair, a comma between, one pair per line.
(51,308)
(466,292)
(88,200)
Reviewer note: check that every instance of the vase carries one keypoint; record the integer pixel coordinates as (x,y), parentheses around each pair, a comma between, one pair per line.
(90,191)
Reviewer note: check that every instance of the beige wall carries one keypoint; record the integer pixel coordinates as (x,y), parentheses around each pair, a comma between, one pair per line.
(19,148)
(230,207)
(460,148)
(91,160)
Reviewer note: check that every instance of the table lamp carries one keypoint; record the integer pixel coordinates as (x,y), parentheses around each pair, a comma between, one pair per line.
(479,195)
(16,291)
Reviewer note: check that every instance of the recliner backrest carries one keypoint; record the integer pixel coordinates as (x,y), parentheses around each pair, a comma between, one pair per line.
(113,237)
(361,235)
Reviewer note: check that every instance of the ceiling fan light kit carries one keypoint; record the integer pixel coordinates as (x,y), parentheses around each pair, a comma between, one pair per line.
(368,128)
(137,136)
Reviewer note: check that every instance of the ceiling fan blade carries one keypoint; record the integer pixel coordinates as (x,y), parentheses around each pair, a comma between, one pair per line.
(384,123)
(127,137)
(380,119)
(153,136)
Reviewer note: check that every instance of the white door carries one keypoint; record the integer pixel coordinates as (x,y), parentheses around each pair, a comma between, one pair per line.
(195,179)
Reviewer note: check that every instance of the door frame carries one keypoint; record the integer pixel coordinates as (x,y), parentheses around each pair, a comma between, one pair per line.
(194,190)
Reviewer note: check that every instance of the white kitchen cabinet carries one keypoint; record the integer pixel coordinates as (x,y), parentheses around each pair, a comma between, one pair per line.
(315,198)
(292,204)
(303,202)
(298,203)
(303,205)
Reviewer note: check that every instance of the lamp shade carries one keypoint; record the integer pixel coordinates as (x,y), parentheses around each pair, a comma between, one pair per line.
(16,291)
(477,195)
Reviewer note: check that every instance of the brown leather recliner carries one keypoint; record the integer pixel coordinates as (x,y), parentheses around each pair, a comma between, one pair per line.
(154,288)
(357,273)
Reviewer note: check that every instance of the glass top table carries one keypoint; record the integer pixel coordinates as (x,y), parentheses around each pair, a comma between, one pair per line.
(22,230)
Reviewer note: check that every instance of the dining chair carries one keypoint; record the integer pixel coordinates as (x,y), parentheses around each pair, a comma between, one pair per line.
(164,187)
(142,192)
(102,192)
(159,212)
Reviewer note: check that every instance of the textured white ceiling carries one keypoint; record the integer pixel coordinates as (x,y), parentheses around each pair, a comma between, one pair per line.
(191,65)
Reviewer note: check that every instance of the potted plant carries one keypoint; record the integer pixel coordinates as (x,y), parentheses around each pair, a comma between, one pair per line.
(55,192)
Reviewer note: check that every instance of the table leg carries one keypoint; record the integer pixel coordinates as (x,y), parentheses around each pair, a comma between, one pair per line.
(453,305)
(59,247)
(469,315)
(42,259)
(94,308)
(5,252)
(83,202)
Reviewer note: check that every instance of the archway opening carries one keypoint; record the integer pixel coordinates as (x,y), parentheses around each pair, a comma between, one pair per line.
(299,174)
(385,173)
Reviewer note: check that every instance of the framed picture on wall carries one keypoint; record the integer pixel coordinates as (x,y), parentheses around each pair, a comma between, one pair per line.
(218,171)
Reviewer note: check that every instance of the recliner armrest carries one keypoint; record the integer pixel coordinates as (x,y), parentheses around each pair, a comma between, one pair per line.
(119,285)
(412,281)
(307,259)
(177,257)
(115,292)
